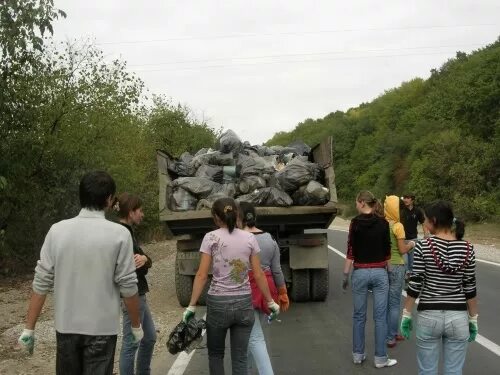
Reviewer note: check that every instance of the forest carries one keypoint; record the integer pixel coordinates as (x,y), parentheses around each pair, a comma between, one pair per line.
(65,110)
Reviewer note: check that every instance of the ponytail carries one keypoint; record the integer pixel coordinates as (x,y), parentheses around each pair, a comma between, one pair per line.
(458,227)
(441,214)
(247,214)
(225,209)
(372,202)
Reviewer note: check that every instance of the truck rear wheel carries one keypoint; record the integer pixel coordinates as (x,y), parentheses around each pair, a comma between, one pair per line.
(300,285)
(319,284)
(183,287)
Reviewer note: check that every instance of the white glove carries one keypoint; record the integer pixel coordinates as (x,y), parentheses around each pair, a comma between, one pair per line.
(188,313)
(137,334)
(274,307)
(27,341)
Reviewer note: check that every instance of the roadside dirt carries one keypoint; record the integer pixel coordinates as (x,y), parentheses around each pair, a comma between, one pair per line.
(14,297)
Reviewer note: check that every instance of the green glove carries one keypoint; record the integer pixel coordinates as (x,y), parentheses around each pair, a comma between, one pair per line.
(27,341)
(473,327)
(406,324)
(188,313)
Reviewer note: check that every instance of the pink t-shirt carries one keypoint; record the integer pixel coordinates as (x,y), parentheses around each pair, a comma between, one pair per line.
(230,254)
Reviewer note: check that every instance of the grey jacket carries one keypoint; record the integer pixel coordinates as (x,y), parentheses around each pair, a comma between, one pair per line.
(89,262)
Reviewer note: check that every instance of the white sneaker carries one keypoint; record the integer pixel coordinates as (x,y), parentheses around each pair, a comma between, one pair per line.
(389,363)
(359,360)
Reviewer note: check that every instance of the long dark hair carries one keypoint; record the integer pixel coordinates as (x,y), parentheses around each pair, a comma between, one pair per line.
(226,210)
(440,213)
(247,214)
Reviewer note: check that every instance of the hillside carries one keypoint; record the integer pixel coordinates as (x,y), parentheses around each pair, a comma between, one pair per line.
(439,138)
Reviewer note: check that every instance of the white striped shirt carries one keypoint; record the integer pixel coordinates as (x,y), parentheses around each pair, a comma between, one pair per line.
(444,274)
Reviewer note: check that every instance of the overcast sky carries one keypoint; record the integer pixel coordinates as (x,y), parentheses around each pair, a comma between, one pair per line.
(259,67)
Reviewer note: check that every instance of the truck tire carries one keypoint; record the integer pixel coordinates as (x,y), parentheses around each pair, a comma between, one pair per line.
(300,285)
(319,284)
(183,287)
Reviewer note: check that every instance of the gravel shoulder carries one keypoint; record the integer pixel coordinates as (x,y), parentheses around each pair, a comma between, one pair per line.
(14,297)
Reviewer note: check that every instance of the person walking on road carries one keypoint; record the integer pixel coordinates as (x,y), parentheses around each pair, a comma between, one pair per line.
(88,261)
(444,278)
(270,261)
(411,216)
(129,210)
(396,268)
(231,252)
(368,250)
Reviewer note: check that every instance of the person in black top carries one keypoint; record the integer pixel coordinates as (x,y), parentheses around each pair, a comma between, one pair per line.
(368,249)
(410,217)
(129,209)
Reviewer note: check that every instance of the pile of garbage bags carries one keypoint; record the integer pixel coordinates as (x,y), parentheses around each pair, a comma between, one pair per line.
(265,176)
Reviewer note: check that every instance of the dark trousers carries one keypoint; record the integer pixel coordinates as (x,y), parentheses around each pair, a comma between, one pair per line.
(84,355)
(233,313)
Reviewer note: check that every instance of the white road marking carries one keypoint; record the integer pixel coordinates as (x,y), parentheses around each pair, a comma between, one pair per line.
(182,361)
(481,340)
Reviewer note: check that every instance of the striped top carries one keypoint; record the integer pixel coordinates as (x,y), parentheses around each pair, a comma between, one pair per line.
(444,274)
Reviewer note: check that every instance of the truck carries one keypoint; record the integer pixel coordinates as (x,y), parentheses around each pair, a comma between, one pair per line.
(304,253)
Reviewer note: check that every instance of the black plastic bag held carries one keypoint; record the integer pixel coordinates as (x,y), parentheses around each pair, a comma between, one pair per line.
(184,335)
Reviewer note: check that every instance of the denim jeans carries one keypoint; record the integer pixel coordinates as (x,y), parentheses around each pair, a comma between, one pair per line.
(446,328)
(236,314)
(396,282)
(375,279)
(84,355)
(408,257)
(144,349)
(257,349)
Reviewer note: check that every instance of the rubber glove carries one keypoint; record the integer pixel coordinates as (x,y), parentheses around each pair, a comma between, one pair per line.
(406,324)
(283,300)
(275,309)
(473,328)
(137,334)
(27,341)
(345,281)
(188,313)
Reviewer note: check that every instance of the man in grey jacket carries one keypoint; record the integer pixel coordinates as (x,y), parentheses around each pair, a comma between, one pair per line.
(88,262)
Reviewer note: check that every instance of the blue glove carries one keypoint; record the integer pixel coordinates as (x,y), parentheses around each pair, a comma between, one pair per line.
(473,328)
(406,324)
(27,341)
(188,313)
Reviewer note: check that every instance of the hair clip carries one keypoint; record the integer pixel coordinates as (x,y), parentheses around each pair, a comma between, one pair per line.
(227,209)
(454,220)
(249,216)
(116,206)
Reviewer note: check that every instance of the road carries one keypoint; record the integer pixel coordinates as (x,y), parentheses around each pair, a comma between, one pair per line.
(316,338)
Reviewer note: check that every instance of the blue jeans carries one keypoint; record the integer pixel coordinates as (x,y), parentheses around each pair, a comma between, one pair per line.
(257,349)
(436,328)
(146,346)
(233,313)
(396,282)
(408,257)
(375,279)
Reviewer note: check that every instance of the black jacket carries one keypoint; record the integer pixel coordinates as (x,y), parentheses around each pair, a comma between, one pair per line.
(369,241)
(142,283)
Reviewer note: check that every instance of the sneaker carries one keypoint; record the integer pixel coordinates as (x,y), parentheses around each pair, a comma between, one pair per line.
(359,360)
(391,343)
(400,338)
(389,363)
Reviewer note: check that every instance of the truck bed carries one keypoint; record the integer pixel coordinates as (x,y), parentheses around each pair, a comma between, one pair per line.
(292,219)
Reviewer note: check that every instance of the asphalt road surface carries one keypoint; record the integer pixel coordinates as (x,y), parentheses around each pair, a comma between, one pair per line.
(316,338)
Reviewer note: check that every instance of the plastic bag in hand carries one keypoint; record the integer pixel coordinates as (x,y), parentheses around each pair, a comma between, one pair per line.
(185,335)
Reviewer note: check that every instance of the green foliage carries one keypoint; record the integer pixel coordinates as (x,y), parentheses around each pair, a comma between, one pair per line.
(439,138)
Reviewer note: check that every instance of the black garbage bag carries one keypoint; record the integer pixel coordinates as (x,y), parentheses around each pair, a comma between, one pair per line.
(248,184)
(186,157)
(269,196)
(200,187)
(312,194)
(208,202)
(212,158)
(297,173)
(182,200)
(185,334)
(212,172)
(181,169)
(230,142)
(247,165)
(300,148)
